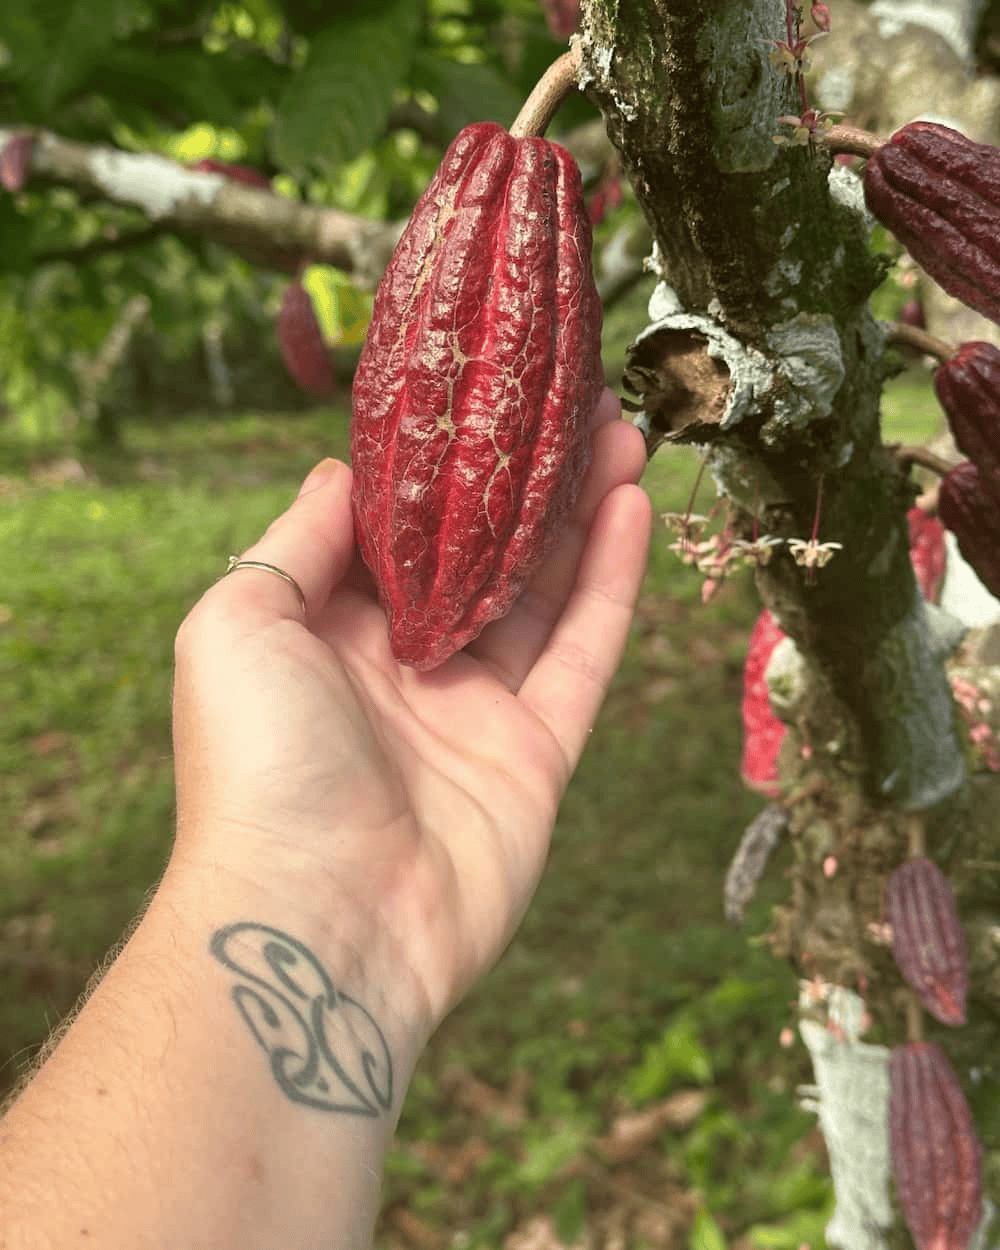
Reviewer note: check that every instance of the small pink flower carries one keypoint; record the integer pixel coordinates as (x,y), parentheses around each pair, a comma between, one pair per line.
(786,1037)
(829,866)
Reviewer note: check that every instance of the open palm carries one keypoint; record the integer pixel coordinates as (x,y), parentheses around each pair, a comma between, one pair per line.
(308,759)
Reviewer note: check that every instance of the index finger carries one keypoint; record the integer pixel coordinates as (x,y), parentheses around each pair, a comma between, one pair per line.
(567,684)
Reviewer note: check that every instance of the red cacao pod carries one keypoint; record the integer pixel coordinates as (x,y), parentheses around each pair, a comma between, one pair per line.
(927,937)
(301,341)
(939,194)
(928,552)
(239,173)
(562,17)
(968,510)
(936,1155)
(762,730)
(14,161)
(473,393)
(968,389)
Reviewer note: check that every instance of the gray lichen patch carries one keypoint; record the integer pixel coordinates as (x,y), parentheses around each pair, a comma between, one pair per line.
(921,760)
(811,361)
(747,94)
(156,184)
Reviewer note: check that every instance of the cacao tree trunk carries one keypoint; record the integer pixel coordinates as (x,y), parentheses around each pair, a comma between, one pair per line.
(762,351)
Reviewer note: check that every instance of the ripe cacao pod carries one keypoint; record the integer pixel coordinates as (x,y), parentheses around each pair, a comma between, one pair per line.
(939,193)
(14,161)
(301,341)
(927,937)
(936,1155)
(968,510)
(968,389)
(239,173)
(928,552)
(562,17)
(473,393)
(762,730)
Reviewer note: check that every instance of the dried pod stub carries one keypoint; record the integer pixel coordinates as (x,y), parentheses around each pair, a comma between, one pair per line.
(936,1155)
(762,730)
(473,395)
(301,340)
(927,937)
(939,193)
(15,157)
(968,389)
(967,509)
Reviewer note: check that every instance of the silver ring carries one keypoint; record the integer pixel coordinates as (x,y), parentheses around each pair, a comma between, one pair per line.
(236,563)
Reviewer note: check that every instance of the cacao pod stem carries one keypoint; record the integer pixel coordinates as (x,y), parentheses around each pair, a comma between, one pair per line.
(850,140)
(913,336)
(547,94)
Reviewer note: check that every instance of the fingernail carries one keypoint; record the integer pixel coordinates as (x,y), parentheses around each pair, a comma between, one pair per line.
(323,472)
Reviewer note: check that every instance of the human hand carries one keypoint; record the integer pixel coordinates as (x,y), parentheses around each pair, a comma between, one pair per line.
(312,764)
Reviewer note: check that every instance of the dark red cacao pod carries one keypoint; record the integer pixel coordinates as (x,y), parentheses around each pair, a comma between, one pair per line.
(927,938)
(301,340)
(936,1155)
(473,393)
(762,730)
(562,17)
(239,173)
(968,510)
(939,194)
(14,161)
(928,552)
(968,389)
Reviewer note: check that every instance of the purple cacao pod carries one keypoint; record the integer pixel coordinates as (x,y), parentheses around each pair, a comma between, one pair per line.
(936,1155)
(968,510)
(927,937)
(939,193)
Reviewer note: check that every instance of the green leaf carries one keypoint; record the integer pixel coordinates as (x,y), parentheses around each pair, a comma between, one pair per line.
(55,43)
(343,312)
(338,104)
(465,93)
(705,1233)
(677,1053)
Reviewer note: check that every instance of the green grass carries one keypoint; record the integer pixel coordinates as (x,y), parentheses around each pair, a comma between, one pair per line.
(622,985)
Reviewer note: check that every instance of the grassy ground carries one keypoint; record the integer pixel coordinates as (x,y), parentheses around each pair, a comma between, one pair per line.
(622,992)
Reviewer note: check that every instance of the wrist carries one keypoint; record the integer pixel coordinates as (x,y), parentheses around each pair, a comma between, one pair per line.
(268,941)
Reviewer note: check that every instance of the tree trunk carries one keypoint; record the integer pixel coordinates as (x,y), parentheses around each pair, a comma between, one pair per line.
(762,351)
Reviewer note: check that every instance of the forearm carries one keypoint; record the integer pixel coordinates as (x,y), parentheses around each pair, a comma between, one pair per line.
(215,1090)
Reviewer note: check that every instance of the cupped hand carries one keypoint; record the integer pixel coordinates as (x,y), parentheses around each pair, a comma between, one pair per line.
(312,763)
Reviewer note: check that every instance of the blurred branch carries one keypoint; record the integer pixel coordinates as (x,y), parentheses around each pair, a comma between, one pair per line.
(271,231)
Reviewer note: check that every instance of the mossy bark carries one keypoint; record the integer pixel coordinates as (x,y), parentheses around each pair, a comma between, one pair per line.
(766,248)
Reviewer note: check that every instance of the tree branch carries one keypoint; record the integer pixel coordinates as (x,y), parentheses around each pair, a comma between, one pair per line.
(272,231)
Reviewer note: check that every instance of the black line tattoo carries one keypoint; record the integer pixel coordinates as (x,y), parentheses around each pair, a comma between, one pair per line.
(288,1003)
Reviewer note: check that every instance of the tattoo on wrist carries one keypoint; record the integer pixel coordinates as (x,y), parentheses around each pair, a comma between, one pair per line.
(325,1049)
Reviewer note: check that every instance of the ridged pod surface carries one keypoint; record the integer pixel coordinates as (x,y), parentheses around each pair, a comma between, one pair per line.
(472,397)
(939,193)
(968,389)
(927,938)
(968,510)
(301,341)
(936,1155)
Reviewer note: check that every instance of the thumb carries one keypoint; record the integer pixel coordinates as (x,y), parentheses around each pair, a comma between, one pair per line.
(313,542)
